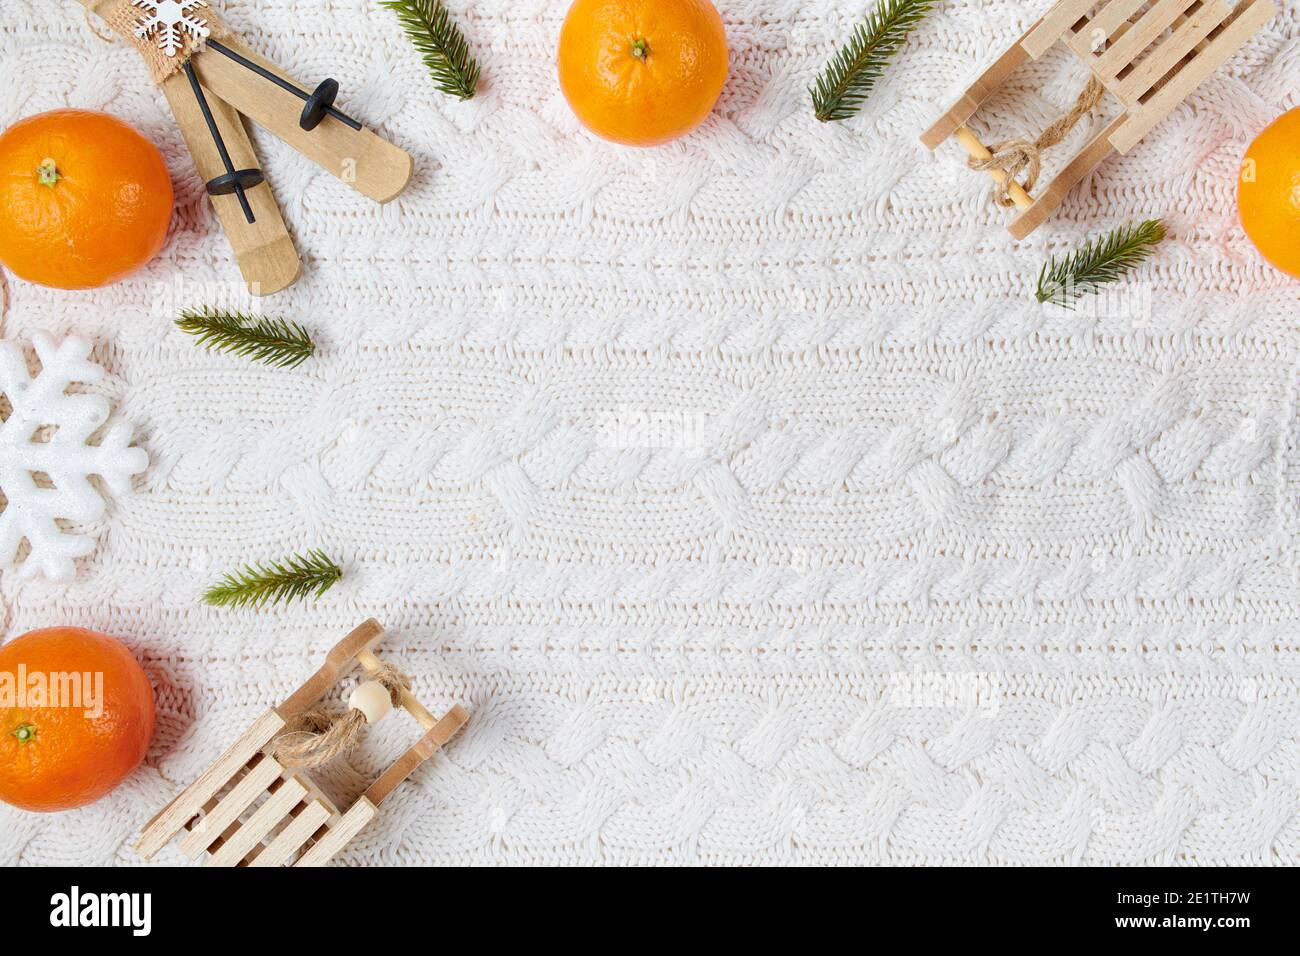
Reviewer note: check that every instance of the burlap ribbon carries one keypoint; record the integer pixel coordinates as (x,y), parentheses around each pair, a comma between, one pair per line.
(122,18)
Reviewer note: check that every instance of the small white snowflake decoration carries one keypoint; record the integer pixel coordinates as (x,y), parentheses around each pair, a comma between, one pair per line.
(32,511)
(171,20)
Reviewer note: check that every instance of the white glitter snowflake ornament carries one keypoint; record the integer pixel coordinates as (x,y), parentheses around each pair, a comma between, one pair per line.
(171,20)
(31,511)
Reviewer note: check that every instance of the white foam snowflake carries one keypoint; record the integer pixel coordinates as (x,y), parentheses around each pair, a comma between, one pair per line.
(171,20)
(31,511)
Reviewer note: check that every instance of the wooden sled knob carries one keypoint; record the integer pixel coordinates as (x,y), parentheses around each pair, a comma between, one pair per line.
(372,699)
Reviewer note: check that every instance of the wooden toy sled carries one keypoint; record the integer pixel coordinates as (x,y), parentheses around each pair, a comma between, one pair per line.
(1148,54)
(248,809)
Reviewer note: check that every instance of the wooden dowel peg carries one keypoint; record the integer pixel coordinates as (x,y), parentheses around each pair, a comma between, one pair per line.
(410,703)
(977,150)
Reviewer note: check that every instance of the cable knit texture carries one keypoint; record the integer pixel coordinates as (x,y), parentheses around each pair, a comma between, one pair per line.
(738,487)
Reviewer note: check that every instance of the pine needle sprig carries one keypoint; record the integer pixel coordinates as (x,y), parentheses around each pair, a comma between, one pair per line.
(440,43)
(1105,259)
(296,577)
(851,76)
(276,342)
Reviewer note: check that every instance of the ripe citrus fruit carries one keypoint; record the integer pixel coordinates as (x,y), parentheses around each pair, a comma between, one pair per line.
(85,200)
(87,730)
(642,72)
(1268,193)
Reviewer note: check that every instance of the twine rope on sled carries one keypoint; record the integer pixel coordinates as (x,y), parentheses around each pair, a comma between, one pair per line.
(1017,156)
(316,737)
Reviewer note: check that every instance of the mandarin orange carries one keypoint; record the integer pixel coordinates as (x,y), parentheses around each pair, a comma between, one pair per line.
(76,717)
(642,72)
(85,200)
(1268,192)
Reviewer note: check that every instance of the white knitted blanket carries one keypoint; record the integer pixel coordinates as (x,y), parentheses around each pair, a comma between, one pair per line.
(739,488)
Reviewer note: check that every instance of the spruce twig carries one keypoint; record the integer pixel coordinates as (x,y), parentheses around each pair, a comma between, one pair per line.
(296,577)
(1105,259)
(274,341)
(440,44)
(850,77)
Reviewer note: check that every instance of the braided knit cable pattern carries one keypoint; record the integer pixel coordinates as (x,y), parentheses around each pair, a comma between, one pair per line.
(738,488)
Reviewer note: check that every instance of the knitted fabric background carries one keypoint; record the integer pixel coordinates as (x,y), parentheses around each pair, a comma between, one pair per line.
(739,488)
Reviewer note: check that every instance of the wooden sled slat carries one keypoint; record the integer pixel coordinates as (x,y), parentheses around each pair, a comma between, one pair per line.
(258,827)
(1185,38)
(1112,18)
(1124,51)
(213,824)
(1193,72)
(1053,26)
(338,836)
(291,839)
(169,822)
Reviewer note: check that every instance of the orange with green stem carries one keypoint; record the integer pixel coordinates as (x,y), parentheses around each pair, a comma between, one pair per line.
(642,72)
(85,200)
(76,717)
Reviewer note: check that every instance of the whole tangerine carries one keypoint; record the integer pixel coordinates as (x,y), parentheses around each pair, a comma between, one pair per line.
(1268,192)
(85,200)
(642,72)
(76,717)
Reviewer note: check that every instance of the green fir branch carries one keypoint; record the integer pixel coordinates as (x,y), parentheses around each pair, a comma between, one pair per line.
(1106,259)
(440,44)
(274,341)
(296,577)
(851,76)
